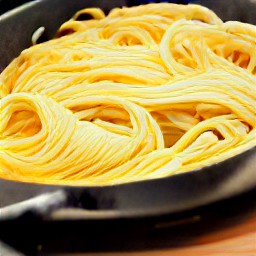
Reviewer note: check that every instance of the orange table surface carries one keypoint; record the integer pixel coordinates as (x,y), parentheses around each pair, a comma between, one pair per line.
(238,238)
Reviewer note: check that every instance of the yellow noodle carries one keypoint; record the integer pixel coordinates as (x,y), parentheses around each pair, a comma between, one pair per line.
(143,93)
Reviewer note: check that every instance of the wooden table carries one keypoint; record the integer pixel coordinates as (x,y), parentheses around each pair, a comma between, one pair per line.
(232,236)
(237,240)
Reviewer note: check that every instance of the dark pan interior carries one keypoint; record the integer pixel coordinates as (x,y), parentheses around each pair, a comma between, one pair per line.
(168,195)
(17,26)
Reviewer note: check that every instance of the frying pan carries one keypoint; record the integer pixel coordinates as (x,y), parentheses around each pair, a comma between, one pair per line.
(24,203)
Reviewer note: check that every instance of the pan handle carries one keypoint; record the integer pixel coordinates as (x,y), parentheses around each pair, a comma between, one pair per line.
(36,207)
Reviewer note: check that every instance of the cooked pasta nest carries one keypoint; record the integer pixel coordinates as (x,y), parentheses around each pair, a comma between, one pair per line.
(142,93)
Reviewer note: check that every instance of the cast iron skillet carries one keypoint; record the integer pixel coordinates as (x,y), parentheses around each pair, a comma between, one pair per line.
(137,199)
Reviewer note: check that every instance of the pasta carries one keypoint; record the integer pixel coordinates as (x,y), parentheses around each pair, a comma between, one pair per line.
(143,93)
